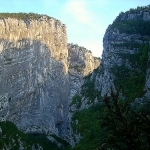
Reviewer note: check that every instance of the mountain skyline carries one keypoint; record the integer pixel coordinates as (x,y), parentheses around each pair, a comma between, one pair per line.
(86,20)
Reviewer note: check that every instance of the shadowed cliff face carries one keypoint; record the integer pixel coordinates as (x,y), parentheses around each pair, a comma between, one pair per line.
(35,84)
(33,74)
(125,68)
(34,87)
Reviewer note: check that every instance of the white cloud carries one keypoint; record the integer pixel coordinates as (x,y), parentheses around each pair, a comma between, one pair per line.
(77,9)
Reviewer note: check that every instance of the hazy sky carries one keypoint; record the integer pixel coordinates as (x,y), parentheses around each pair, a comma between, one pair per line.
(86,20)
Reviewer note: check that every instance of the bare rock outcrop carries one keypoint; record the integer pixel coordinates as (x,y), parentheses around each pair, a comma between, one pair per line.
(82,60)
(125,54)
(33,74)
(48,31)
(81,64)
(37,77)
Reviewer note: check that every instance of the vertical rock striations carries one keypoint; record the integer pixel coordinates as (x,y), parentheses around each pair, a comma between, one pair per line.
(82,60)
(33,74)
(36,79)
(125,67)
(48,31)
(125,56)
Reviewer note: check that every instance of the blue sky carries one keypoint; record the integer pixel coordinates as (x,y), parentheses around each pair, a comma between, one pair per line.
(86,20)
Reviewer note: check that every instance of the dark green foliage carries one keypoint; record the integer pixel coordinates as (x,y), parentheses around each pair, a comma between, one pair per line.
(76,100)
(128,45)
(133,26)
(98,58)
(22,16)
(144,57)
(139,9)
(88,88)
(132,81)
(10,131)
(145,106)
(65,145)
(43,141)
(117,124)
(88,126)
(126,126)
(120,124)
(88,91)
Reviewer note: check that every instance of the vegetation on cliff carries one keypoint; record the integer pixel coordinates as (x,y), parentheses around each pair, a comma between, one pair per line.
(14,139)
(120,123)
(125,125)
(132,22)
(132,82)
(23,16)
(113,123)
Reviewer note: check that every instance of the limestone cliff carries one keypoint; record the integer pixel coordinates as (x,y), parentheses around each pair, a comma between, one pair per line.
(33,74)
(37,77)
(48,31)
(81,60)
(81,64)
(125,68)
(125,56)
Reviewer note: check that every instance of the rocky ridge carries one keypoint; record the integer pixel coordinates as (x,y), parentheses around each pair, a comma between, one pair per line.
(125,42)
(124,67)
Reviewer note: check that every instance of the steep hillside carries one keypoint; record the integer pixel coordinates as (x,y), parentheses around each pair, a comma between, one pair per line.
(81,60)
(81,64)
(116,121)
(125,59)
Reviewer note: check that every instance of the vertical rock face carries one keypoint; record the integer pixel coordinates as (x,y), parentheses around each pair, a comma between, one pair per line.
(36,78)
(82,60)
(33,74)
(48,31)
(81,63)
(126,45)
